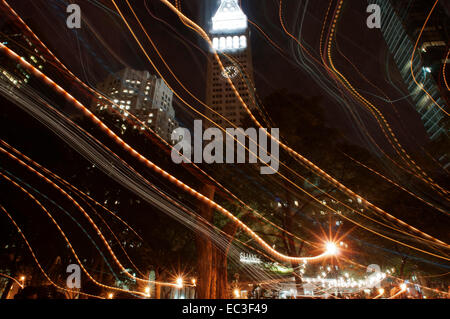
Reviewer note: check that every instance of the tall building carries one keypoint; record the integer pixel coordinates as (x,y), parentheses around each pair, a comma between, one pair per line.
(401,23)
(15,38)
(143,95)
(230,37)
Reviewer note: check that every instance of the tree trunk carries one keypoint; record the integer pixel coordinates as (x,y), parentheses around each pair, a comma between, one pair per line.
(13,266)
(221,270)
(402,266)
(222,262)
(212,262)
(288,218)
(205,254)
(157,286)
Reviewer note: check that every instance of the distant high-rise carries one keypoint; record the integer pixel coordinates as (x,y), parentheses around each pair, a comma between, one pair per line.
(230,37)
(401,23)
(145,96)
(20,42)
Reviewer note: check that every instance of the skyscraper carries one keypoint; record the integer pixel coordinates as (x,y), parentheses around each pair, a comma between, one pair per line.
(401,23)
(230,37)
(145,96)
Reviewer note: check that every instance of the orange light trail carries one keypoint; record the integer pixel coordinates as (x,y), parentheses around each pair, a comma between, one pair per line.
(9,277)
(443,70)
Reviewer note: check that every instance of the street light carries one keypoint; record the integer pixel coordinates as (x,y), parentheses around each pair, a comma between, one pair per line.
(110,296)
(179,282)
(331,249)
(22,281)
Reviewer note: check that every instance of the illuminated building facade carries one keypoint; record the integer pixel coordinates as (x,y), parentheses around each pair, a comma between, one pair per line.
(143,95)
(230,35)
(401,23)
(20,42)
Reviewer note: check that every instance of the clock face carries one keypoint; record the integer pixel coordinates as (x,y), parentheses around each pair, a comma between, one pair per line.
(230,72)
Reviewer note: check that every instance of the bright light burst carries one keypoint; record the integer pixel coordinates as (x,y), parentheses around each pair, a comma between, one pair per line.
(331,249)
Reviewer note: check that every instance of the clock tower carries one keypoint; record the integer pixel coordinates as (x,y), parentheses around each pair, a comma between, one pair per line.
(230,37)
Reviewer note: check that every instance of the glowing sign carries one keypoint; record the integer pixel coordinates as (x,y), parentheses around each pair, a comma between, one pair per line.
(249,258)
(229,17)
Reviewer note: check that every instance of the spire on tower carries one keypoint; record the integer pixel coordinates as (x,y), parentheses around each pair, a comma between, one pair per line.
(229,17)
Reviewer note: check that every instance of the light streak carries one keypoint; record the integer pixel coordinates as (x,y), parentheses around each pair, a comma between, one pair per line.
(380,293)
(443,70)
(402,289)
(19,283)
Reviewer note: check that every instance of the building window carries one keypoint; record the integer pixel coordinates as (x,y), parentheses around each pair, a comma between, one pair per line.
(243,41)
(236,42)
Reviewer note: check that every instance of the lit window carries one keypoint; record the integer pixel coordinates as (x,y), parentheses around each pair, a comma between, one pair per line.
(216,43)
(222,43)
(229,42)
(235,42)
(243,41)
